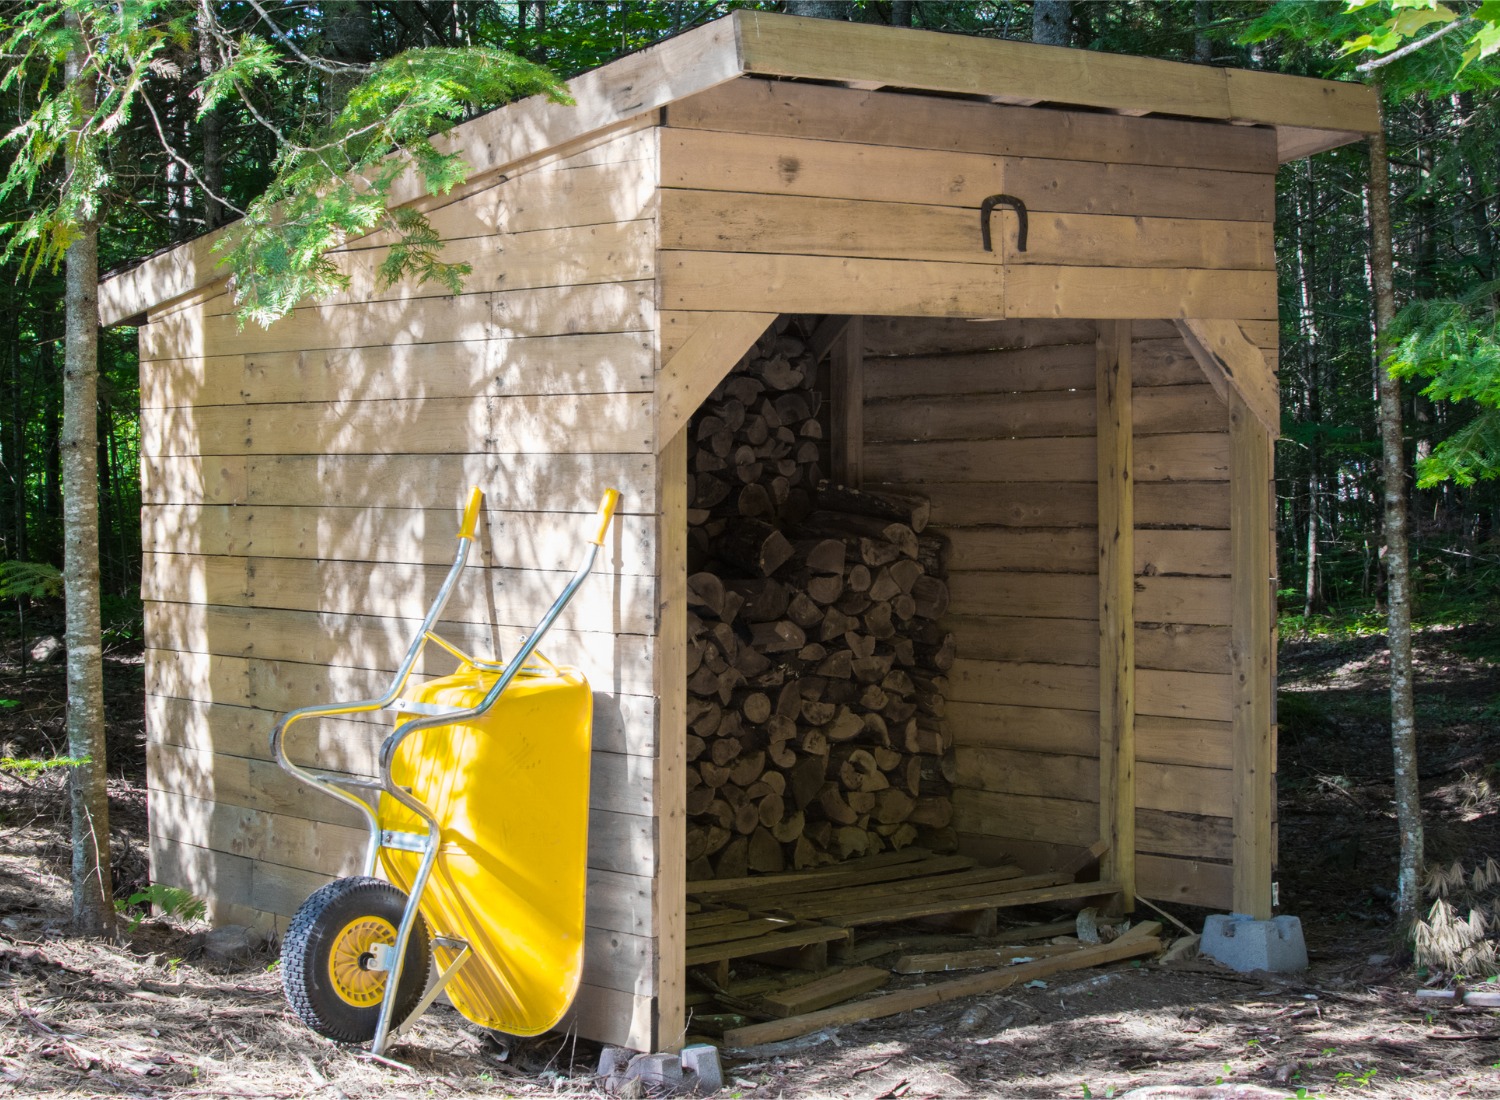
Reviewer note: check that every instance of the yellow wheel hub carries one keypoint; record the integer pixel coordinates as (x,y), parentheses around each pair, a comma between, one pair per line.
(349,961)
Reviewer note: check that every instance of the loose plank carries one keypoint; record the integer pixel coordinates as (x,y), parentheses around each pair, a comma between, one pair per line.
(890,1004)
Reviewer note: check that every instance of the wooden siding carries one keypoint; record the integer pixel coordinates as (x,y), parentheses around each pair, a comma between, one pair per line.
(1021,511)
(775,200)
(302,487)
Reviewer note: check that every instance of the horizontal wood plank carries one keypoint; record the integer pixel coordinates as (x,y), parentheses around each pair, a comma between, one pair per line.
(1024,728)
(1052,820)
(506,539)
(746,221)
(561,311)
(787,109)
(1069,687)
(608,362)
(531,483)
(737,281)
(398,591)
(1174,694)
(1184,881)
(620,423)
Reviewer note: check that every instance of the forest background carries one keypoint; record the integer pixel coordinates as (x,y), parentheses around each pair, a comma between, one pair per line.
(174,171)
(1445,170)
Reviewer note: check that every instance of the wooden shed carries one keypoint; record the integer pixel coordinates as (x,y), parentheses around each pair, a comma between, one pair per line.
(1090,414)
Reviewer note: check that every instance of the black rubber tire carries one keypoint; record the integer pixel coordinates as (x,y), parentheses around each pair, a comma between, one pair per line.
(306,976)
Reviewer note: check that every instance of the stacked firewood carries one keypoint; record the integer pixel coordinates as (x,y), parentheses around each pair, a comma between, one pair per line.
(816,669)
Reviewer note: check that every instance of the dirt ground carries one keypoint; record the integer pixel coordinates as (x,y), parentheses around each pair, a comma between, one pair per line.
(152,1017)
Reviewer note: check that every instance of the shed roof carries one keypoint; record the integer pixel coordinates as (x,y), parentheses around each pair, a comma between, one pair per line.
(1308,115)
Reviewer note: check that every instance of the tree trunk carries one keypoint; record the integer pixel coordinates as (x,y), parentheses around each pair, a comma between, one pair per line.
(1398,609)
(1203,47)
(93,892)
(820,9)
(349,29)
(213,131)
(1052,22)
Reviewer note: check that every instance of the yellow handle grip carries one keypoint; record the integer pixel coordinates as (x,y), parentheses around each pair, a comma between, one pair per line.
(471,513)
(605,514)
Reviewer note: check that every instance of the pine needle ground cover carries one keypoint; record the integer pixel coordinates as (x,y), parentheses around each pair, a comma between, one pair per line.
(154,1016)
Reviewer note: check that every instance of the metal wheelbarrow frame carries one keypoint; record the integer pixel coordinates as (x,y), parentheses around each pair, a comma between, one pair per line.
(356,956)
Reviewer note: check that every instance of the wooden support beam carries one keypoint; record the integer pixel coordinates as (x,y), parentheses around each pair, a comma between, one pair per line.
(669,792)
(700,364)
(1116,606)
(1252,628)
(847,404)
(1232,362)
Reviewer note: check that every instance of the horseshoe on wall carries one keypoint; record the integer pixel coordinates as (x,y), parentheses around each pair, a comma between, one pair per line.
(987,207)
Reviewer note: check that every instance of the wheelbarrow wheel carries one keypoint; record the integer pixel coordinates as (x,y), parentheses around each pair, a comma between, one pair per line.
(326,955)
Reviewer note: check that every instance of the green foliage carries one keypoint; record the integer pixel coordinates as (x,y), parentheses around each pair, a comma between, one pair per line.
(338,183)
(36,580)
(1335,40)
(1454,343)
(1420,19)
(119,45)
(173,901)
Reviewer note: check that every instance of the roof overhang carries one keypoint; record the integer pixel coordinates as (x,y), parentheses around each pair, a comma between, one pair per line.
(1308,115)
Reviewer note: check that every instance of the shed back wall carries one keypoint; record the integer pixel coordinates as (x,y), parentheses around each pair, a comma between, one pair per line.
(994,422)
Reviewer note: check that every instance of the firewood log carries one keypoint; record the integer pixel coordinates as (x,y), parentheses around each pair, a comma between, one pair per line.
(754,546)
(912,511)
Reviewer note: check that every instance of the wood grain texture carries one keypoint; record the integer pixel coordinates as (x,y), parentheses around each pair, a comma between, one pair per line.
(671,759)
(829,113)
(1116,606)
(1252,679)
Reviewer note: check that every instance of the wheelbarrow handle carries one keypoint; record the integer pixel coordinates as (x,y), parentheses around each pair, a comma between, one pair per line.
(471,513)
(606,513)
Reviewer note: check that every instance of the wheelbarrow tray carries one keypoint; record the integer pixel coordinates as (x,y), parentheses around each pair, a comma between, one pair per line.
(510,790)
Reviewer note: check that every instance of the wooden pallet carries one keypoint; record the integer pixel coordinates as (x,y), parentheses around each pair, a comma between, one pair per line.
(793,920)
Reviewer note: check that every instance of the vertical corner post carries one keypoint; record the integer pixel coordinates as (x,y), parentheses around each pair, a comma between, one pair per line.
(670,783)
(1116,605)
(1252,630)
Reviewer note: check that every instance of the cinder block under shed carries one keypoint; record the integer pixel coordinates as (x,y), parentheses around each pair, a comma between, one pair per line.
(1091,417)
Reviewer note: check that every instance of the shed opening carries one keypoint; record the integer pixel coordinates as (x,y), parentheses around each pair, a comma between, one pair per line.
(939,710)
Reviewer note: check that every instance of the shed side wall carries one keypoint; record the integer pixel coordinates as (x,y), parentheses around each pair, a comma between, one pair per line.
(301,489)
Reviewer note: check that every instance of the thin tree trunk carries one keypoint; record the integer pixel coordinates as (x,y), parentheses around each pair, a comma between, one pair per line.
(820,9)
(1052,22)
(349,28)
(1312,359)
(93,892)
(1203,46)
(214,213)
(1397,565)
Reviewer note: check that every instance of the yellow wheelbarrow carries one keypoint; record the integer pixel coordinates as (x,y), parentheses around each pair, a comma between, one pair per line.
(479,822)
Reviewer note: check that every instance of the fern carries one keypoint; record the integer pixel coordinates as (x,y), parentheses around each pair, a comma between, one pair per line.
(29,578)
(173,901)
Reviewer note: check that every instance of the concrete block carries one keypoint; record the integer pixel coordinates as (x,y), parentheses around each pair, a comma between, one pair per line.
(613,1060)
(655,1071)
(703,1062)
(1242,943)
